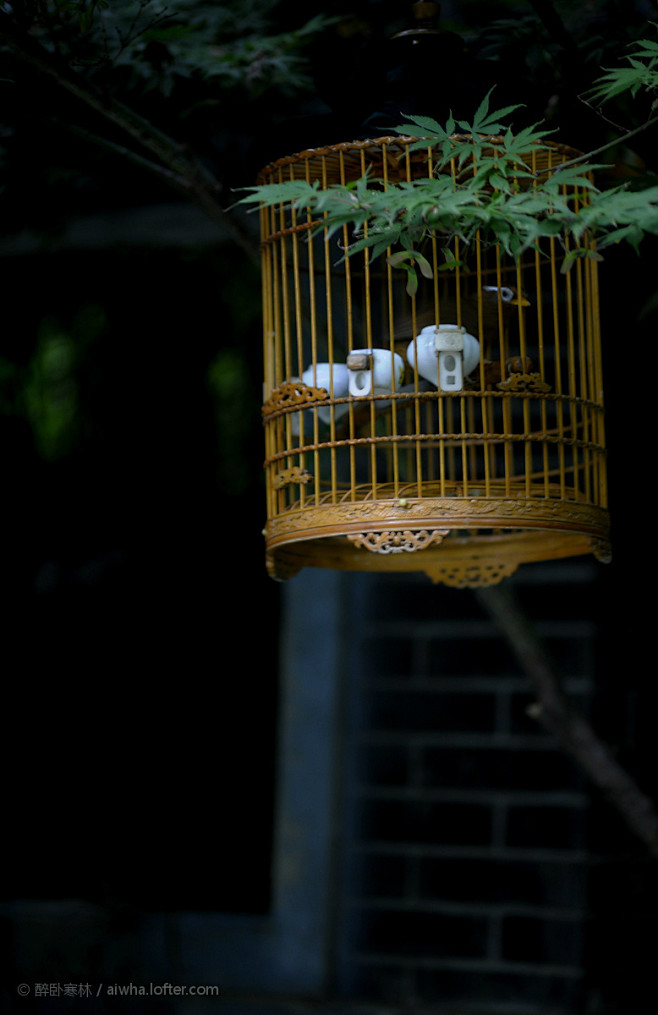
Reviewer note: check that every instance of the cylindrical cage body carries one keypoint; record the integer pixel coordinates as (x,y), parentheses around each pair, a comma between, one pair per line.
(457,431)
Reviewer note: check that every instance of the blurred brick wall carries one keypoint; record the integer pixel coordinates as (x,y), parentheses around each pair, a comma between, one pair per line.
(465,860)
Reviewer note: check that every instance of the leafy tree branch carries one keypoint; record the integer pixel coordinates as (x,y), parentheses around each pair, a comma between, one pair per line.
(484,184)
(640,76)
(167,158)
(87,47)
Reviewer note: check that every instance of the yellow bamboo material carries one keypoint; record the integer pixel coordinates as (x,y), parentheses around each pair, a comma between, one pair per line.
(405,474)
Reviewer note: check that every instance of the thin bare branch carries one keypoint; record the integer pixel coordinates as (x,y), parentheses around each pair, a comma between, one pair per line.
(588,156)
(570,729)
(180,167)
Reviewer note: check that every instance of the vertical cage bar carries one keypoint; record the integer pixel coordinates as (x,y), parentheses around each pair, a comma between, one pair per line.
(527,425)
(597,376)
(542,369)
(557,366)
(541,350)
(317,464)
(349,308)
(583,426)
(571,375)
(367,311)
(297,368)
(486,402)
(389,313)
(286,350)
(507,444)
(508,455)
(330,348)
(269,339)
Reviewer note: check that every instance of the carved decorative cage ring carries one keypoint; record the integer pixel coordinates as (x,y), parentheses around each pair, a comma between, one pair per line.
(457,431)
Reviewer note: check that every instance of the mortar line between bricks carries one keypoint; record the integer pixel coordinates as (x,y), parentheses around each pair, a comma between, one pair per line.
(455,630)
(471,741)
(492,909)
(443,684)
(499,812)
(470,852)
(468,965)
(487,796)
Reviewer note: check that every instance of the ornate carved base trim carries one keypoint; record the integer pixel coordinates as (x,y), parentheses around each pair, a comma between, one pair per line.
(461,542)
(472,575)
(432,514)
(289,476)
(602,550)
(398,541)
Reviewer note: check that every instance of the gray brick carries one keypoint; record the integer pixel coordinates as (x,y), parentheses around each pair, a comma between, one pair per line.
(546,827)
(371,874)
(547,940)
(423,821)
(468,656)
(383,765)
(419,933)
(497,768)
(399,710)
(389,654)
(504,882)
(501,991)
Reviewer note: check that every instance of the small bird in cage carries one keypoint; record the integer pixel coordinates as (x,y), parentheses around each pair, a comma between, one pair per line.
(490,305)
(445,356)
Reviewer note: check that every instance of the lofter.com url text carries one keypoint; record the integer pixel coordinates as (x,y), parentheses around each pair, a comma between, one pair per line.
(116,990)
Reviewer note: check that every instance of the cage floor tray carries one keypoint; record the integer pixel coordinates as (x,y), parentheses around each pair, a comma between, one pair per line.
(458,541)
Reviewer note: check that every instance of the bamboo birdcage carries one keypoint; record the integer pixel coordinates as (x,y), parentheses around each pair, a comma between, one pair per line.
(374,465)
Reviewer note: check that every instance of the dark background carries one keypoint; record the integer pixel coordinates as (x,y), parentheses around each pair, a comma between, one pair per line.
(140,630)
